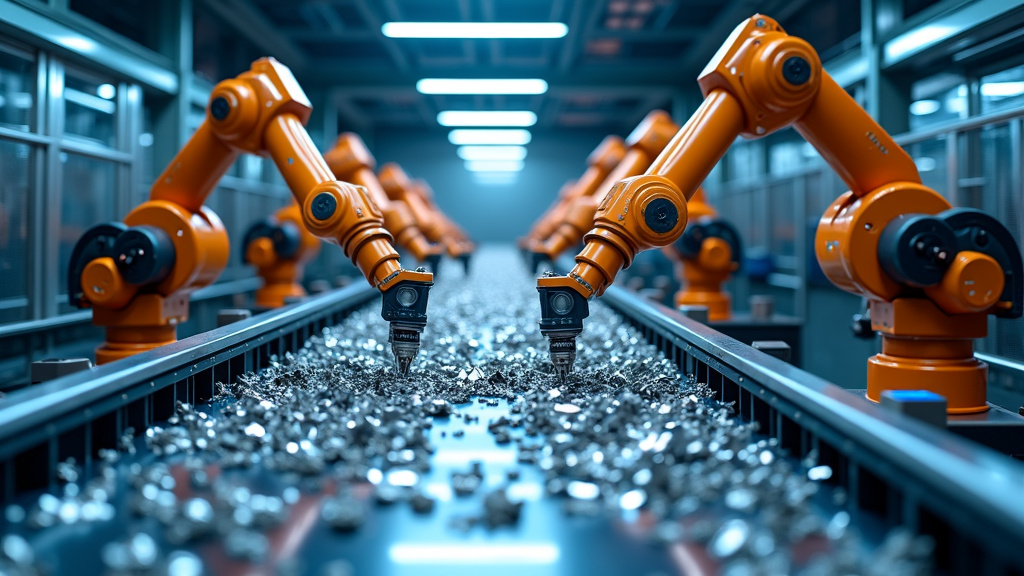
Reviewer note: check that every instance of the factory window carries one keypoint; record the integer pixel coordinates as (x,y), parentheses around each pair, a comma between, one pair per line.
(133,19)
(90,108)
(930,158)
(87,198)
(15,165)
(17,88)
(937,100)
(1003,90)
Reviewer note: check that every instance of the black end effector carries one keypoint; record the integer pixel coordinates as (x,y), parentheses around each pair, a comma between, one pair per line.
(405,309)
(287,239)
(433,263)
(916,250)
(536,260)
(465,258)
(562,311)
(142,254)
(689,244)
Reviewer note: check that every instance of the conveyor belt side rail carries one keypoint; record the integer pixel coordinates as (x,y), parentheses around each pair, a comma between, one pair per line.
(78,415)
(893,468)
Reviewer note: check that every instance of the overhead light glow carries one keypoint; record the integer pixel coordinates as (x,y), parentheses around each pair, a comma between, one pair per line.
(478,554)
(514,137)
(494,165)
(913,41)
(77,43)
(495,178)
(491,152)
(482,86)
(486,118)
(474,29)
(925,107)
(1002,89)
(106,91)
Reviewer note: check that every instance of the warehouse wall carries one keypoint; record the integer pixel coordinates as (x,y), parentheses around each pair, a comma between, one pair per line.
(490,213)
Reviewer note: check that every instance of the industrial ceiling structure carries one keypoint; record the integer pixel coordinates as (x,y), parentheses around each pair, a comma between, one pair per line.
(618,60)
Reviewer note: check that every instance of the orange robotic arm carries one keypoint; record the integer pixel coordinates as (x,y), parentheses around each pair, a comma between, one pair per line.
(457,242)
(546,224)
(137,276)
(418,198)
(646,141)
(931,273)
(707,253)
(351,161)
(279,247)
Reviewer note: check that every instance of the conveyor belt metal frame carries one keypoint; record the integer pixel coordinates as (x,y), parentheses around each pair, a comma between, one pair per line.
(892,467)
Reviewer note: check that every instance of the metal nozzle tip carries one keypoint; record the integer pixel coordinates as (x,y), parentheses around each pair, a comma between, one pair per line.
(563,356)
(405,344)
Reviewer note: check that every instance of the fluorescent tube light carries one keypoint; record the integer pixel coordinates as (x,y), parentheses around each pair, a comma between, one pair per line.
(491,153)
(494,165)
(486,118)
(495,179)
(1002,89)
(514,137)
(474,29)
(482,86)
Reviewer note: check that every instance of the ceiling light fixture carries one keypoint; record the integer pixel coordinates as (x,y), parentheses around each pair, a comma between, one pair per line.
(494,165)
(514,137)
(491,152)
(474,29)
(925,107)
(481,86)
(486,118)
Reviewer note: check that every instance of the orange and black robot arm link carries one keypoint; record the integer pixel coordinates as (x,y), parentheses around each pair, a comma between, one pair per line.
(137,276)
(279,247)
(644,144)
(351,161)
(600,163)
(547,222)
(705,256)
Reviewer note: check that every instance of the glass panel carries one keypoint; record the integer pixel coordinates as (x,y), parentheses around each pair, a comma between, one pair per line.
(14,240)
(90,108)
(1003,90)
(930,158)
(782,201)
(17,89)
(941,98)
(87,199)
(746,162)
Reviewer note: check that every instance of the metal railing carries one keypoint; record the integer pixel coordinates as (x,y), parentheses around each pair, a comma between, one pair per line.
(894,468)
(78,415)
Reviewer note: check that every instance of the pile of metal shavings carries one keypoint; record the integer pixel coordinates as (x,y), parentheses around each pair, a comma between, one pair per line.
(626,436)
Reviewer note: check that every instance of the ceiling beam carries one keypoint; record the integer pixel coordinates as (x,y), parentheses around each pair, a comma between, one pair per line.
(251,24)
(588,12)
(374,23)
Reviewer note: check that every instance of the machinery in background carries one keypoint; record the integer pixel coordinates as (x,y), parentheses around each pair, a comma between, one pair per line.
(548,221)
(932,274)
(707,253)
(138,275)
(351,161)
(279,247)
(574,197)
(419,198)
(646,141)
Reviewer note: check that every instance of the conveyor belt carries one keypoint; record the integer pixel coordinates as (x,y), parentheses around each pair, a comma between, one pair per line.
(893,471)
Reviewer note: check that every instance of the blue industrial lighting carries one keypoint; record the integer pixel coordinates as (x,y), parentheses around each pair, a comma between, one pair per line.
(486,118)
(491,152)
(512,137)
(925,107)
(494,165)
(474,29)
(482,86)
(106,91)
